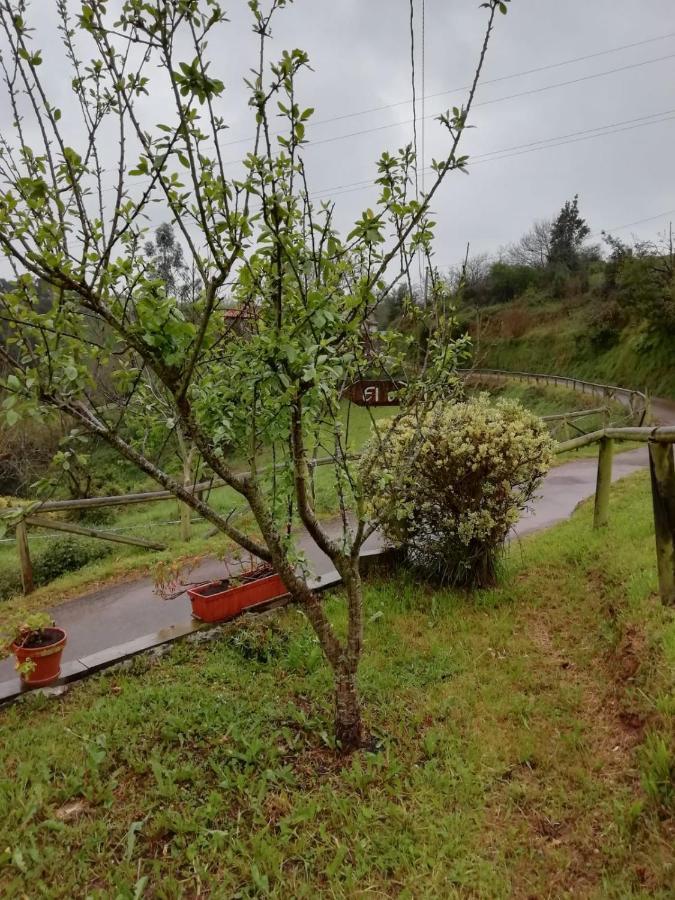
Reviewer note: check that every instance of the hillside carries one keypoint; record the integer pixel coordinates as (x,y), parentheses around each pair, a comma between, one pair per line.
(556,337)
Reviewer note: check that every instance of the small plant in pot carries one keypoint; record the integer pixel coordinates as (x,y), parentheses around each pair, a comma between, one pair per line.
(217,601)
(37,643)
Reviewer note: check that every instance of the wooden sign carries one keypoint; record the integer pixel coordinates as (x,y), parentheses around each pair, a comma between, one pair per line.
(374,392)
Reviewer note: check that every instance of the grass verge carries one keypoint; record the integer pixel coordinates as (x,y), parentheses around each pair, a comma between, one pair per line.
(526,747)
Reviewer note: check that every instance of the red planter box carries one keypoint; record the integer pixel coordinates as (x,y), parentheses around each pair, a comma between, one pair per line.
(215,602)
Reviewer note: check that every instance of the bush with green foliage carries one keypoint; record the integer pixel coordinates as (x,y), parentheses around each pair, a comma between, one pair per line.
(62,555)
(606,319)
(448,483)
(66,555)
(506,282)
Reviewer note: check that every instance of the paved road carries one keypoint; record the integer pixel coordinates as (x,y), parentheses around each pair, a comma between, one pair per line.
(123,612)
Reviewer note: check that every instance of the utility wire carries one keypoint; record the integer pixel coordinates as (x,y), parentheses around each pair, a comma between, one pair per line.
(480,103)
(555,65)
(414,121)
(668,212)
(539,90)
(506,152)
(423,90)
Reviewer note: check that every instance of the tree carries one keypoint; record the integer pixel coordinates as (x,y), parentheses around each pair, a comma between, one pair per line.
(470,279)
(568,233)
(166,259)
(534,248)
(642,278)
(389,311)
(314,292)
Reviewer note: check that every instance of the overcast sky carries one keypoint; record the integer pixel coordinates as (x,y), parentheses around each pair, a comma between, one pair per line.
(360,53)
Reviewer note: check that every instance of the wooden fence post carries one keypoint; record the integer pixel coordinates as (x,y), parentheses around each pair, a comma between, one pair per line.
(647,417)
(603,483)
(662,470)
(24,557)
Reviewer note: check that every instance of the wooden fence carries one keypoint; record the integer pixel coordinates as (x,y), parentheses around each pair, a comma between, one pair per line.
(636,401)
(660,441)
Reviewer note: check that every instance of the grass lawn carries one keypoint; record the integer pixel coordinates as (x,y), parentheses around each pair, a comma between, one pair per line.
(526,747)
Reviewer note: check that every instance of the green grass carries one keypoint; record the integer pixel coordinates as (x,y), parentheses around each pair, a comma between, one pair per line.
(553,338)
(526,747)
(158,520)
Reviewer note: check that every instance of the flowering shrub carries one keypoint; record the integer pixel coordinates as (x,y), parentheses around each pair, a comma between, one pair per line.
(448,483)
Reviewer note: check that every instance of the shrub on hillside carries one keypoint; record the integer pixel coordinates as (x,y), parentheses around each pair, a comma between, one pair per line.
(64,555)
(515,322)
(60,556)
(506,282)
(606,319)
(448,483)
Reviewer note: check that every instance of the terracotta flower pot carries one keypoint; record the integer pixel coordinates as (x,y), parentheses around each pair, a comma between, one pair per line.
(45,654)
(218,600)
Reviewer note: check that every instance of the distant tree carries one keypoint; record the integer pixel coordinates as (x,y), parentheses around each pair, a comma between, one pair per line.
(391,309)
(534,247)
(568,233)
(470,279)
(642,277)
(165,257)
(619,251)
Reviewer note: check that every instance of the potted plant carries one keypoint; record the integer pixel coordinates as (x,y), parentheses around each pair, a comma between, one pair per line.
(216,601)
(37,643)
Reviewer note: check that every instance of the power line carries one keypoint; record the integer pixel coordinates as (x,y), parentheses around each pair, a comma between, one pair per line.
(423,90)
(668,212)
(507,152)
(518,149)
(414,111)
(480,103)
(539,90)
(555,65)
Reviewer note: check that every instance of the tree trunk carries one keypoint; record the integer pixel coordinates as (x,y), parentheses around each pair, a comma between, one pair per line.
(348,727)
(185,511)
(343,656)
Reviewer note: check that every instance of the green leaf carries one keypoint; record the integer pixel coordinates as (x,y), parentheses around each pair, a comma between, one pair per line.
(134,828)
(18,860)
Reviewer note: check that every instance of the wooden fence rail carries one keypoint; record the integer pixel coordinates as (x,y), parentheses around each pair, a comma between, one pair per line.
(660,440)
(636,401)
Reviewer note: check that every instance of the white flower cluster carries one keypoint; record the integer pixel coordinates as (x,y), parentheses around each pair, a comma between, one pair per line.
(448,481)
